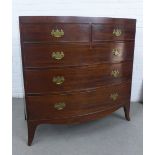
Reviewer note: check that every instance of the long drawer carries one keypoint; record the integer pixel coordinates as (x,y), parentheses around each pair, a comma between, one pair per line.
(47,55)
(79,78)
(76,104)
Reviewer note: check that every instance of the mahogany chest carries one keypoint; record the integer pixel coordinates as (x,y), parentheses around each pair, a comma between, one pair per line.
(75,69)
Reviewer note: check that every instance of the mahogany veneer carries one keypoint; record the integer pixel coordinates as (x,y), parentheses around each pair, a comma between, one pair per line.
(75,69)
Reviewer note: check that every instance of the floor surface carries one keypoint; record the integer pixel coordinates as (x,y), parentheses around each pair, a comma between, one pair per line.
(111,135)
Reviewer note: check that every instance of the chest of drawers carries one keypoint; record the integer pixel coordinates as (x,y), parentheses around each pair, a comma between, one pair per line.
(75,69)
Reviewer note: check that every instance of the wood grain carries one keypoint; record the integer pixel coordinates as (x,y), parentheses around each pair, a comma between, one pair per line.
(77,104)
(40,55)
(104,32)
(80,78)
(42,32)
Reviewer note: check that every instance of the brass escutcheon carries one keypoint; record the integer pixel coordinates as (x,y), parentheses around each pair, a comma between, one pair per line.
(115,51)
(58,80)
(117,32)
(115,73)
(57,55)
(59,106)
(114,96)
(57,33)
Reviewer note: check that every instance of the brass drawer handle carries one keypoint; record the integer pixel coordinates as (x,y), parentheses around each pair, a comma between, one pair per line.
(115,73)
(114,96)
(115,51)
(58,80)
(57,33)
(59,106)
(57,55)
(117,32)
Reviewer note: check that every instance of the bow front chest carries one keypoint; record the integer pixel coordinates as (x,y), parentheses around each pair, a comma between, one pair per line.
(75,69)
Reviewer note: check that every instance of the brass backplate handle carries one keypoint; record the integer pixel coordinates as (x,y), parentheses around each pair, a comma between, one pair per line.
(57,55)
(115,73)
(58,80)
(114,96)
(116,51)
(117,32)
(59,106)
(57,33)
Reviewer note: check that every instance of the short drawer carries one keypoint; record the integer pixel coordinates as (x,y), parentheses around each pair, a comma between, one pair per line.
(79,78)
(110,32)
(77,104)
(55,32)
(40,55)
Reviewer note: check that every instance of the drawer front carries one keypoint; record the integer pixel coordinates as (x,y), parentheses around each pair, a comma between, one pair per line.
(75,104)
(109,32)
(39,55)
(68,79)
(55,32)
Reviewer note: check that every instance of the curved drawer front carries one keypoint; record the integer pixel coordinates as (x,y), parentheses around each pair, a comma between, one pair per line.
(115,31)
(55,32)
(39,55)
(60,80)
(76,104)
